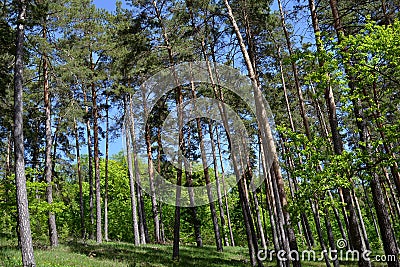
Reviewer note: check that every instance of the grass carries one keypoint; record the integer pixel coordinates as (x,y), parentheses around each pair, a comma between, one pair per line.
(75,253)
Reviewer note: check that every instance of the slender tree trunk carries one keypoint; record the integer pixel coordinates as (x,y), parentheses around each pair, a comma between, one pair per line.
(80,180)
(362,224)
(218,185)
(106,178)
(315,208)
(151,180)
(387,233)
(338,220)
(162,233)
(90,166)
(48,165)
(144,232)
(131,178)
(331,238)
(207,178)
(370,210)
(395,201)
(189,184)
(295,74)
(96,155)
(225,192)
(259,223)
(24,227)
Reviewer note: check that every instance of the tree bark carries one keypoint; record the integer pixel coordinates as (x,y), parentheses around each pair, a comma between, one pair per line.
(96,155)
(80,181)
(144,232)
(218,185)
(225,192)
(24,227)
(151,180)
(106,178)
(131,178)
(207,178)
(90,165)
(48,162)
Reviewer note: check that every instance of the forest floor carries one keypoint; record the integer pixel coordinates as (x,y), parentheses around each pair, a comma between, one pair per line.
(119,254)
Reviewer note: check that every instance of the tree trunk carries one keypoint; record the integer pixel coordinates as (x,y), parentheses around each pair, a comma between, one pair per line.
(144,232)
(24,227)
(162,233)
(225,192)
(131,178)
(106,178)
(259,223)
(48,163)
(220,204)
(387,233)
(151,179)
(193,210)
(90,165)
(207,178)
(96,155)
(315,209)
(295,74)
(80,180)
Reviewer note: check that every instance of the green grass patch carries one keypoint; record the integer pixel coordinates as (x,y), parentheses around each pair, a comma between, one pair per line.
(78,253)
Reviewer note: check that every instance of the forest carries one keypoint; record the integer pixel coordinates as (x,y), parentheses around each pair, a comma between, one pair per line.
(200,133)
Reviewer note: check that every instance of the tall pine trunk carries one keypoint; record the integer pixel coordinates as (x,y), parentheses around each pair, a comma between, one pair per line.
(144,233)
(96,154)
(48,162)
(207,178)
(80,180)
(90,164)
(218,185)
(106,177)
(24,228)
(135,223)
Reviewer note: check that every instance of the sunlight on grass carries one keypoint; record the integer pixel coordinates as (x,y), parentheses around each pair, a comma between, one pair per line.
(74,254)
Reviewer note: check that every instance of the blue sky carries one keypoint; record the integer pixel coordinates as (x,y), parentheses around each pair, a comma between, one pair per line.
(107,4)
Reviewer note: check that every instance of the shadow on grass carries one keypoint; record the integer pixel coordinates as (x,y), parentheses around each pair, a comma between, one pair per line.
(161,255)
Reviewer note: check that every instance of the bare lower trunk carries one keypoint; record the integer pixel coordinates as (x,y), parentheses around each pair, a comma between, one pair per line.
(80,180)
(217,181)
(144,232)
(207,179)
(48,162)
(90,166)
(131,181)
(96,155)
(24,227)
(387,233)
(225,192)
(106,178)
